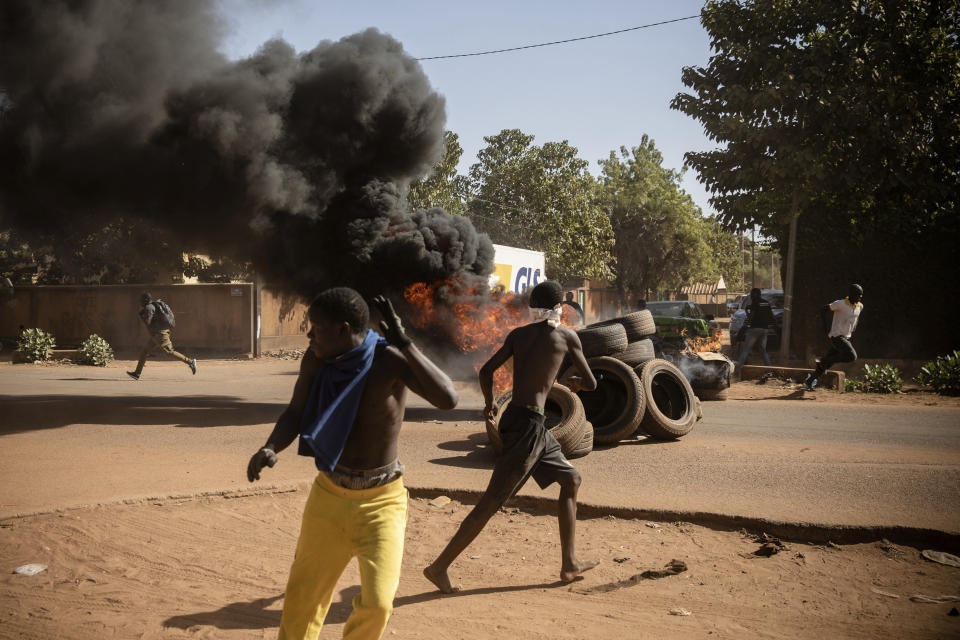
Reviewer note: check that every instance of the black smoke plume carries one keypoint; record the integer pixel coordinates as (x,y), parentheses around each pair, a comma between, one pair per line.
(298,162)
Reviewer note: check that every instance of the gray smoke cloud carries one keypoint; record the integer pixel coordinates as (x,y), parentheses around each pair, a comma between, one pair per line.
(297,161)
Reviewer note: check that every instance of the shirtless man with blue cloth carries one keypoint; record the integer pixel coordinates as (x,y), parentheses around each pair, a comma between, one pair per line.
(347,408)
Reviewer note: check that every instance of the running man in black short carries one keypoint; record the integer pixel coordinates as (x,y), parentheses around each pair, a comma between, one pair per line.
(538,350)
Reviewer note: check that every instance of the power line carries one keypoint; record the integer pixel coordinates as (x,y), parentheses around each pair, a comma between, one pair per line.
(547,44)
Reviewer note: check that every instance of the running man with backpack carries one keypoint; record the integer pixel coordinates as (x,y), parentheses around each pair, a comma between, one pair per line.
(158,317)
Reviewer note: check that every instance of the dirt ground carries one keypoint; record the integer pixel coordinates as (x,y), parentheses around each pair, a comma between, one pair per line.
(216,567)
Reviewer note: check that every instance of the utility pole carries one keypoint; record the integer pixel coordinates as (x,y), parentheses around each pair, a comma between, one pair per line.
(753,257)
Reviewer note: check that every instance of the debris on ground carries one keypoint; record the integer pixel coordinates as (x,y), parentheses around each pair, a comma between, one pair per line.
(31,569)
(941,557)
(621,560)
(884,593)
(934,599)
(672,568)
(768,546)
(679,611)
(833,545)
(440,501)
(653,525)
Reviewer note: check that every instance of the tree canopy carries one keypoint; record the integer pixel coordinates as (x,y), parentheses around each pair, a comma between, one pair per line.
(853,103)
(660,238)
(543,198)
(443,187)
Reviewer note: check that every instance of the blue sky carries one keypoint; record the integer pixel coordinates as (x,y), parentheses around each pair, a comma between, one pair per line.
(597,94)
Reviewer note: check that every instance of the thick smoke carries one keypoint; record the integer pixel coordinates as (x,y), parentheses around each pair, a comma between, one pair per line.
(298,162)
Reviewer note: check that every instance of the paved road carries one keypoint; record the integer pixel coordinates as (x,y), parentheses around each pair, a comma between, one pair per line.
(78,435)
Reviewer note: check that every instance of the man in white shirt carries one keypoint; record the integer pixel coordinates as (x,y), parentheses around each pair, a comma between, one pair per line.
(846,314)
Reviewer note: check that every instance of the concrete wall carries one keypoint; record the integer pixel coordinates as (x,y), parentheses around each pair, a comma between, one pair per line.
(283,322)
(210,317)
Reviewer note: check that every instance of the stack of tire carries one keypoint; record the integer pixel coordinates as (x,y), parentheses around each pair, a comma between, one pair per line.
(565,419)
(636,391)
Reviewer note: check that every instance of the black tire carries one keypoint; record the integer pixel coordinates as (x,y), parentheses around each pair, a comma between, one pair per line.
(671,405)
(638,325)
(711,394)
(637,353)
(620,414)
(565,419)
(603,339)
(586,444)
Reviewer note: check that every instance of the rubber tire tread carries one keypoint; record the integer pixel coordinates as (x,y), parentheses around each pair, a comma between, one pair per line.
(628,419)
(568,432)
(655,423)
(586,444)
(638,325)
(637,352)
(603,339)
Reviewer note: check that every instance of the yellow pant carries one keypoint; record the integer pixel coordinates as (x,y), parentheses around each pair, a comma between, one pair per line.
(339,524)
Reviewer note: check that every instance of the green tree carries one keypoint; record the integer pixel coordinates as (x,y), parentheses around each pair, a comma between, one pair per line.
(660,238)
(542,198)
(846,114)
(725,254)
(443,187)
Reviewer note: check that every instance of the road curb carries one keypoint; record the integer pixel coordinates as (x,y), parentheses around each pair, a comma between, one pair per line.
(799,532)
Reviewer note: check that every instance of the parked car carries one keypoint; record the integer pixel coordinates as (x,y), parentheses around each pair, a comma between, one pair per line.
(775,298)
(734,303)
(673,316)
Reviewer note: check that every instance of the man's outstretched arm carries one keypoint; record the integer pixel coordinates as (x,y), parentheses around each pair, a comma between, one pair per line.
(288,424)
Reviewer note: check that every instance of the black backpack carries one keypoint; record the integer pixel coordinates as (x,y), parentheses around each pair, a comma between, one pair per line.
(163,318)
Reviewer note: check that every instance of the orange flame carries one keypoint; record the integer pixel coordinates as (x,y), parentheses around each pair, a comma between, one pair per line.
(699,345)
(477,324)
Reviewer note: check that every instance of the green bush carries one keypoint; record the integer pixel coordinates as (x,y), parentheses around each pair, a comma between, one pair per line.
(942,375)
(853,385)
(95,351)
(36,345)
(881,379)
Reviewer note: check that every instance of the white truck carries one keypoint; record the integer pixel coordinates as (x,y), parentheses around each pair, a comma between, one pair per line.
(516,269)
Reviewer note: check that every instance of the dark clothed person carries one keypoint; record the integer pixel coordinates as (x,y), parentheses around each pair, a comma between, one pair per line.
(759,321)
(159,340)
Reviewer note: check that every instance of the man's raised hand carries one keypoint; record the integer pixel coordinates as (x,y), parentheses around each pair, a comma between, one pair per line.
(391,326)
(263,458)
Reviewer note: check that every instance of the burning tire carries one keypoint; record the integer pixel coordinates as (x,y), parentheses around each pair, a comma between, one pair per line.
(671,405)
(638,325)
(565,420)
(603,339)
(617,405)
(637,353)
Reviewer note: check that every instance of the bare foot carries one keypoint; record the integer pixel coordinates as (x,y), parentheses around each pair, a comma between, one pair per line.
(569,575)
(440,579)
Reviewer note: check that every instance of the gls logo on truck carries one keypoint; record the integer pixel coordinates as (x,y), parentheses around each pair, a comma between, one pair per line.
(526,277)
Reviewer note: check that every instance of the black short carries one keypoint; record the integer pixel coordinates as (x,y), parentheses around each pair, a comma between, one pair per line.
(528,449)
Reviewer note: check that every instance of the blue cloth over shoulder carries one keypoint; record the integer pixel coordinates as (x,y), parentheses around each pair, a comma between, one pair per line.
(333,402)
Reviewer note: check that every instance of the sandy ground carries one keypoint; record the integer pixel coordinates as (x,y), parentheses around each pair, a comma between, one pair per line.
(777,389)
(216,568)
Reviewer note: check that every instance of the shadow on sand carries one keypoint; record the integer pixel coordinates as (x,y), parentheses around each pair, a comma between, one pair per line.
(253,614)
(31,413)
